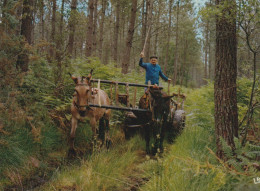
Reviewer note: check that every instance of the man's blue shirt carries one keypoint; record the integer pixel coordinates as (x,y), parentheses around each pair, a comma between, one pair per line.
(152,72)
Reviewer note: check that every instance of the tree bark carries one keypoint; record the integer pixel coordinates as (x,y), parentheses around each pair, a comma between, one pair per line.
(168,37)
(60,43)
(101,33)
(129,39)
(116,33)
(26,32)
(149,9)
(53,29)
(206,52)
(210,63)
(72,26)
(158,25)
(89,42)
(144,22)
(42,18)
(225,91)
(95,28)
(176,46)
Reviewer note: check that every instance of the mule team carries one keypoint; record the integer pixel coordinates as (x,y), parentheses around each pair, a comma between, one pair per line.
(154,99)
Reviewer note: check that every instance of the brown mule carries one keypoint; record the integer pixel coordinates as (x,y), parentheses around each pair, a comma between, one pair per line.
(80,109)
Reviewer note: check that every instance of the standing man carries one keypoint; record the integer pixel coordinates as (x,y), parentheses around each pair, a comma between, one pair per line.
(153,70)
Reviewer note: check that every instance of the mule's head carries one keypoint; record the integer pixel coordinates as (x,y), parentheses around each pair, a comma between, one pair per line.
(160,104)
(82,93)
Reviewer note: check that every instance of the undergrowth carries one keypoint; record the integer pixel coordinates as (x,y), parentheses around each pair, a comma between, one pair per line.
(35,118)
(191,163)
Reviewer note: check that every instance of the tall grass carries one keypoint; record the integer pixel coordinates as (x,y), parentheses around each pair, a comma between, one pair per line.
(104,170)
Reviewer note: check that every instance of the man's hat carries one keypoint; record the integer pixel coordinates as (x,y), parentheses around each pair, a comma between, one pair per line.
(153,57)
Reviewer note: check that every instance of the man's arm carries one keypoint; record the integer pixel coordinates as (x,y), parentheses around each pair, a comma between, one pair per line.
(141,63)
(163,76)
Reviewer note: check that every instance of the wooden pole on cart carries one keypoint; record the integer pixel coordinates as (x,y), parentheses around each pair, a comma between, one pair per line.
(169,87)
(111,93)
(127,95)
(134,97)
(116,91)
(99,100)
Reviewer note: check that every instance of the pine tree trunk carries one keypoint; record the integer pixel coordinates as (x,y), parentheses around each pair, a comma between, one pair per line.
(158,25)
(101,34)
(53,29)
(72,26)
(206,52)
(60,43)
(116,33)
(144,23)
(168,37)
(42,18)
(95,28)
(210,63)
(26,32)
(149,7)
(89,42)
(176,46)
(225,92)
(129,39)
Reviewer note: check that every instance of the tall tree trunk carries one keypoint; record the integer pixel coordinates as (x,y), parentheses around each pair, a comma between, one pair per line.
(26,32)
(72,26)
(183,66)
(53,28)
(101,28)
(158,25)
(176,46)
(225,92)
(116,33)
(206,51)
(60,43)
(89,42)
(149,8)
(42,18)
(210,63)
(168,37)
(34,12)
(95,28)
(144,22)
(129,39)
(59,52)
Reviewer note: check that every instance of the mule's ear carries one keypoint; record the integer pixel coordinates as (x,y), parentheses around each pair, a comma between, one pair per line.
(90,75)
(91,71)
(75,79)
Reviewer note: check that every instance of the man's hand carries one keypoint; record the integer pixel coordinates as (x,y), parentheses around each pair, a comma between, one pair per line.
(169,80)
(142,55)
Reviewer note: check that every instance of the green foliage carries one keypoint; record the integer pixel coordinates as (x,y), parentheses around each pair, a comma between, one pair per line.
(242,158)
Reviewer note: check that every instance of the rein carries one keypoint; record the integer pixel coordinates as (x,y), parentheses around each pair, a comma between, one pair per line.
(80,106)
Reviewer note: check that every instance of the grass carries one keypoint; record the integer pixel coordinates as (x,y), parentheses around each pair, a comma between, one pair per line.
(104,170)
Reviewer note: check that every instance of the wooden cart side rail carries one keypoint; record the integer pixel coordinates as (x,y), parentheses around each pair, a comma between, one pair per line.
(123,83)
(119,108)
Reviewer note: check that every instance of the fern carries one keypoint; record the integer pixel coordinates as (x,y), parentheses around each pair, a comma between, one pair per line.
(241,157)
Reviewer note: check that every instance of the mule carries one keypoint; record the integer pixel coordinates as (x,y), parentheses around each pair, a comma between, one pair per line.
(80,109)
(155,121)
